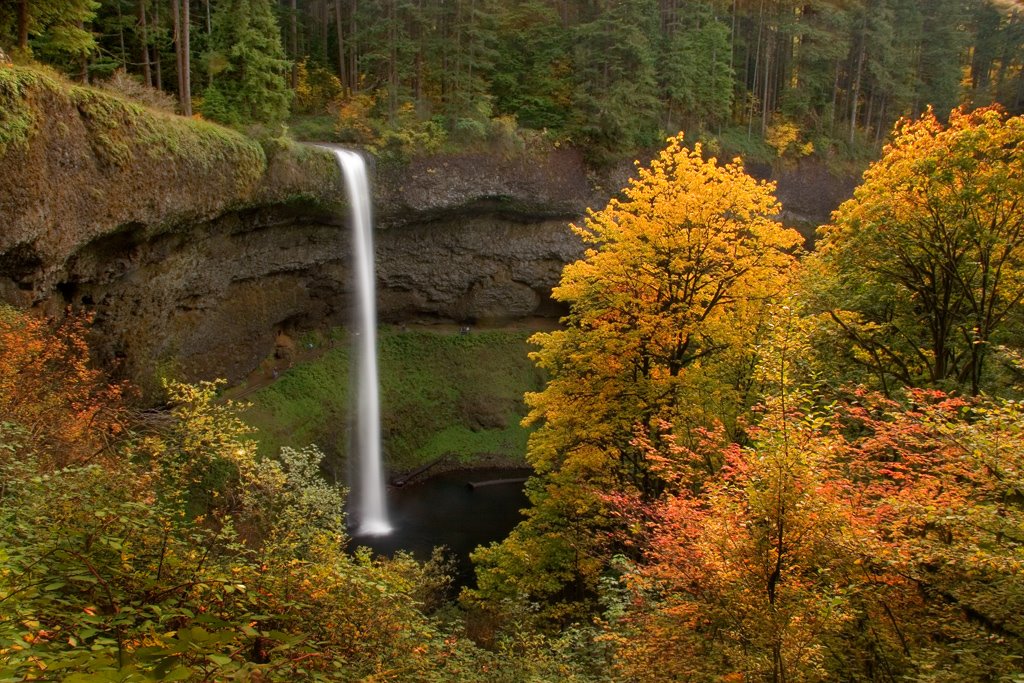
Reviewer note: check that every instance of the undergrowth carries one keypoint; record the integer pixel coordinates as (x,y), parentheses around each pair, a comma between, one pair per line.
(442,394)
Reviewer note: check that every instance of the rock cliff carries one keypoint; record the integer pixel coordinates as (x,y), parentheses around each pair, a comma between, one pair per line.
(195,247)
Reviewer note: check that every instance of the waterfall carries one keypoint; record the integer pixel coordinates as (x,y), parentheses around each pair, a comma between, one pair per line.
(372,508)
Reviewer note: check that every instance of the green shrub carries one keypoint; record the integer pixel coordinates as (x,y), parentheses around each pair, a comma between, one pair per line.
(215,107)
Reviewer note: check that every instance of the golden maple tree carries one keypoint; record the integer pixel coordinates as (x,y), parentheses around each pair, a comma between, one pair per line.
(923,269)
(666,306)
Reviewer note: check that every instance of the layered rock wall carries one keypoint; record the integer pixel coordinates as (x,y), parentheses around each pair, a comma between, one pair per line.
(195,247)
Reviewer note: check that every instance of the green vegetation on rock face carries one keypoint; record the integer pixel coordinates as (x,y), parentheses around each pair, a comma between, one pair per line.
(77,162)
(442,394)
(118,130)
(15,116)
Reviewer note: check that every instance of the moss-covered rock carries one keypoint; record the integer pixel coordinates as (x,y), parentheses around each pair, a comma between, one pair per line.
(77,164)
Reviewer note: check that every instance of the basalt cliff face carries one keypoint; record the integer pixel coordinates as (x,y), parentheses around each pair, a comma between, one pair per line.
(194,248)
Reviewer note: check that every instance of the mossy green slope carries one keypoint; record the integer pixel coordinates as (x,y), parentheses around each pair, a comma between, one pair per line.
(442,394)
(117,128)
(77,163)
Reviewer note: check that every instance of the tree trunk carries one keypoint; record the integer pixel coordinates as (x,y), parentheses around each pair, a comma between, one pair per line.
(418,87)
(855,92)
(23,26)
(181,50)
(732,54)
(869,113)
(176,28)
(341,47)
(353,51)
(293,31)
(158,72)
(767,77)
(120,36)
(757,70)
(324,15)
(86,60)
(147,73)
(835,97)
(186,58)
(881,129)
(392,60)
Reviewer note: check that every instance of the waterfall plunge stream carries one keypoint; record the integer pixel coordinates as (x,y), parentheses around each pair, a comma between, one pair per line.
(370,494)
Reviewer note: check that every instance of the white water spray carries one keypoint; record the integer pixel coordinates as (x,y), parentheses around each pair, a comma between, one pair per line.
(372,511)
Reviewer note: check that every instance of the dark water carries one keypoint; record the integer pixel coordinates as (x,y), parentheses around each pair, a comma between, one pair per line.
(444,511)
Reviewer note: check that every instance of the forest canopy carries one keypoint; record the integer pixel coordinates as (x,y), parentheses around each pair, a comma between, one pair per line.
(770,78)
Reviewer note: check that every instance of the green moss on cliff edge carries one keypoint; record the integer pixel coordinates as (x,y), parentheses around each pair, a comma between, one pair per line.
(140,165)
(120,132)
(117,128)
(16,117)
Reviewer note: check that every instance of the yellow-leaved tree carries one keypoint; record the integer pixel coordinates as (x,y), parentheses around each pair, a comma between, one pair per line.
(922,272)
(666,309)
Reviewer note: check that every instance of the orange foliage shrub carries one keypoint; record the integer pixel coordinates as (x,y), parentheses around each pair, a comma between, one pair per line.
(56,405)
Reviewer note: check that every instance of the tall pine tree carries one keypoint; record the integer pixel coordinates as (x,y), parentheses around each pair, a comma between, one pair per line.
(247,65)
(615,103)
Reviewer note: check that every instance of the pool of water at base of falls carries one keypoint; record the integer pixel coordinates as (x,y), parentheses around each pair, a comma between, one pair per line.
(444,511)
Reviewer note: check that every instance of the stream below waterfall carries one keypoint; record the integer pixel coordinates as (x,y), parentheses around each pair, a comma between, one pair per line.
(444,511)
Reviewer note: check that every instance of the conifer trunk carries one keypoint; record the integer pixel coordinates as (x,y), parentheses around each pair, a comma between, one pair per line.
(176,28)
(181,54)
(341,47)
(147,72)
(294,33)
(158,72)
(23,26)
(186,58)
(120,36)
(353,51)
(855,91)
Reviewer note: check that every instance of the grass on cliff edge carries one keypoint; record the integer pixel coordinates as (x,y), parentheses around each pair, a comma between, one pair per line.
(123,131)
(442,393)
(116,128)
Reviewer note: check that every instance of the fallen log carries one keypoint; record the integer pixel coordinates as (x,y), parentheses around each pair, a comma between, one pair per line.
(402,481)
(473,485)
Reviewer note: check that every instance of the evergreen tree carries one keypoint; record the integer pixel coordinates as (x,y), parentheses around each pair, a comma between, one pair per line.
(54,29)
(695,69)
(532,66)
(941,52)
(605,74)
(247,64)
(615,103)
(465,96)
(822,41)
